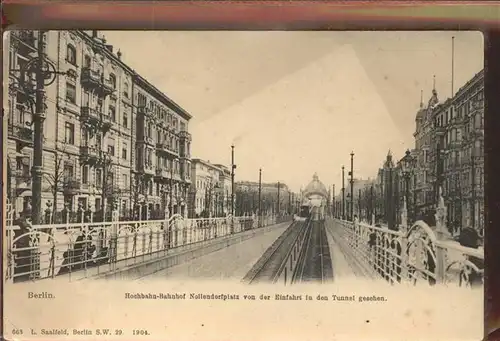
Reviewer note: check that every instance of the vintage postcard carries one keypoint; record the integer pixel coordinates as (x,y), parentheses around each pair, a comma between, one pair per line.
(243,185)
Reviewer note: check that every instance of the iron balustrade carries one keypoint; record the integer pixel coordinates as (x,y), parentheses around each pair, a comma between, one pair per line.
(415,256)
(82,250)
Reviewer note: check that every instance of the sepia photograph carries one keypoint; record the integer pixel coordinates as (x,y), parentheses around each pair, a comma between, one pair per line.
(280,159)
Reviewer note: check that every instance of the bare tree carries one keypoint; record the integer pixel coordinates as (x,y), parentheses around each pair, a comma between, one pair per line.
(57,178)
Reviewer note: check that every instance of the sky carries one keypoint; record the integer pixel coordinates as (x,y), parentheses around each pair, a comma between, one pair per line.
(298,103)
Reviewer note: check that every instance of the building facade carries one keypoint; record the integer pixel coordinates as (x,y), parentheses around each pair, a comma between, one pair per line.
(449,154)
(275,197)
(210,190)
(90,145)
(463,156)
(162,152)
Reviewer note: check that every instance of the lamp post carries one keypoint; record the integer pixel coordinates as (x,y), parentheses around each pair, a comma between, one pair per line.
(406,168)
(233,167)
(351,173)
(45,73)
(343,194)
(260,194)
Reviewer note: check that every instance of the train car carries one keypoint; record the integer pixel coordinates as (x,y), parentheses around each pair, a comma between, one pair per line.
(304,213)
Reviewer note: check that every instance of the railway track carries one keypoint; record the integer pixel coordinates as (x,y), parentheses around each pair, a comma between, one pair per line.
(315,263)
(269,266)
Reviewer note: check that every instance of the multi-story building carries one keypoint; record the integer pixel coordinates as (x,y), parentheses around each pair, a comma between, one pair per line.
(162,152)
(463,157)
(449,149)
(424,139)
(247,197)
(225,188)
(90,159)
(210,191)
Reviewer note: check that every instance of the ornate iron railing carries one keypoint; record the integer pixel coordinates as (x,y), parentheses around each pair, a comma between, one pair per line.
(52,250)
(415,255)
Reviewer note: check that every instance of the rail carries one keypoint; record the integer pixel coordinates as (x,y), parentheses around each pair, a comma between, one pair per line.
(415,255)
(285,273)
(48,251)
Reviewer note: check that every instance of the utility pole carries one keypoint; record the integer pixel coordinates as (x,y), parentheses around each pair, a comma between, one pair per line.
(38,119)
(452,65)
(233,167)
(343,194)
(260,194)
(278,206)
(372,206)
(359,204)
(351,173)
(333,201)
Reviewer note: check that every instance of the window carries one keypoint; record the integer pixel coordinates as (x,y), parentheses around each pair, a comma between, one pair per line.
(97,204)
(111,150)
(124,152)
(98,178)
(112,79)
(68,172)
(125,120)
(125,90)
(125,180)
(71,54)
(110,179)
(69,133)
(85,174)
(71,93)
(87,61)
(112,113)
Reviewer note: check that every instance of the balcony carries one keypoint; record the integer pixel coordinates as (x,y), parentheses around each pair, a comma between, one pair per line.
(148,169)
(184,135)
(161,173)
(21,133)
(26,41)
(23,180)
(145,112)
(146,140)
(71,186)
(440,130)
(476,132)
(455,144)
(90,155)
(162,147)
(95,118)
(94,80)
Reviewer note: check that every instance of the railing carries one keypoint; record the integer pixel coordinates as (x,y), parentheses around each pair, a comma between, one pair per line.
(52,250)
(417,255)
(288,269)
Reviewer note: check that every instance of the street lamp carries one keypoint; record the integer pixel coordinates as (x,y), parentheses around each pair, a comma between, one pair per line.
(351,173)
(407,170)
(45,73)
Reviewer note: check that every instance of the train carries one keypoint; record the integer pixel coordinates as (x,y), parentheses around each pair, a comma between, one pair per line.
(311,210)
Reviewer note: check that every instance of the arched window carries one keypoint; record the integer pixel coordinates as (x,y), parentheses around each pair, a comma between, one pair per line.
(112,79)
(71,54)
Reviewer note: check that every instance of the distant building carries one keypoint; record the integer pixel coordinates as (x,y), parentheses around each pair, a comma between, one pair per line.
(247,197)
(210,192)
